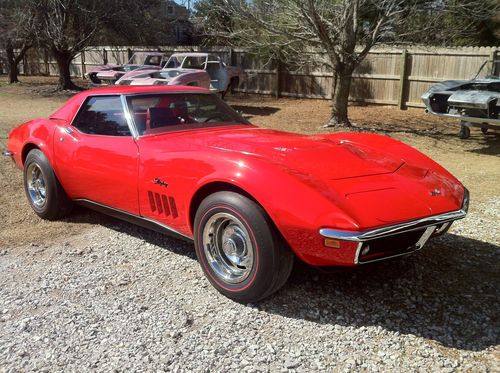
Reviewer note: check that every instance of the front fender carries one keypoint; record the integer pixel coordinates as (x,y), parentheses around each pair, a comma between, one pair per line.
(292,201)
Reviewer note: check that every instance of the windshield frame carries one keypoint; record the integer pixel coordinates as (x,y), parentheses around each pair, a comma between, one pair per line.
(137,134)
(144,56)
(182,58)
(488,68)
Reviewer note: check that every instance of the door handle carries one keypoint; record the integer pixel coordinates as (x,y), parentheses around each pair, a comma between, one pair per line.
(68,130)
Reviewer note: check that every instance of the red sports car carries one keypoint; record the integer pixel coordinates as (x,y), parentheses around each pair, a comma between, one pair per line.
(181,161)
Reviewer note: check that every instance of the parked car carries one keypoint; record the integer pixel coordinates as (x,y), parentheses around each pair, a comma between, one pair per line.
(191,69)
(475,102)
(109,74)
(180,161)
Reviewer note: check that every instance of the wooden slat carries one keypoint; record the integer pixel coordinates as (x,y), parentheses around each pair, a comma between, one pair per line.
(381,78)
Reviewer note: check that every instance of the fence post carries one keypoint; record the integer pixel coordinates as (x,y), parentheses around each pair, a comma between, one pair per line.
(402,80)
(82,61)
(104,56)
(279,68)
(130,53)
(493,56)
(232,57)
(25,65)
(46,60)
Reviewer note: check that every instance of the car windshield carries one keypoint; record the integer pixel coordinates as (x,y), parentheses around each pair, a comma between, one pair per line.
(489,70)
(144,58)
(194,62)
(173,62)
(167,112)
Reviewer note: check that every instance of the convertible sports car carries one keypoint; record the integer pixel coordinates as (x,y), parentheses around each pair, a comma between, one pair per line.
(475,102)
(192,69)
(109,74)
(181,161)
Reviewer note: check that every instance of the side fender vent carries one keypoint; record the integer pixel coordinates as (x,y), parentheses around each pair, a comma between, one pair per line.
(162,204)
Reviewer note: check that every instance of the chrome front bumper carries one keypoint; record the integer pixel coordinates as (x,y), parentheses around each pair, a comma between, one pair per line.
(478,120)
(7,153)
(431,226)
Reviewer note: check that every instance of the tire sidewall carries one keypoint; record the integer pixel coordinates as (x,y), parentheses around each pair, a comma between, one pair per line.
(254,220)
(37,157)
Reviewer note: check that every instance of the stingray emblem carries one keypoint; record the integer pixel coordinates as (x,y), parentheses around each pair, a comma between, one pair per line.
(435,192)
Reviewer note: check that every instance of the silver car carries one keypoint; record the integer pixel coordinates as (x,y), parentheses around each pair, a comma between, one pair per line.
(475,102)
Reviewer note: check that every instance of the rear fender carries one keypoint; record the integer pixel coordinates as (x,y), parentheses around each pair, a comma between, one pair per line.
(38,133)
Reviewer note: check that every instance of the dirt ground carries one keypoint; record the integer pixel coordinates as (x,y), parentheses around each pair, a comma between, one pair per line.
(475,161)
(455,281)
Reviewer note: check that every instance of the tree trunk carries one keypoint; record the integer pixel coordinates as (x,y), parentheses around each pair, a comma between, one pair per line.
(63,59)
(340,100)
(14,60)
(11,58)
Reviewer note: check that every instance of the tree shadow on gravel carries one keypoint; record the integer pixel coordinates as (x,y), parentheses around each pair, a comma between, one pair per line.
(449,293)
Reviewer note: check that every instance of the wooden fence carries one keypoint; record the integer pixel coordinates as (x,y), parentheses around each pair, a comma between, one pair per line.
(387,76)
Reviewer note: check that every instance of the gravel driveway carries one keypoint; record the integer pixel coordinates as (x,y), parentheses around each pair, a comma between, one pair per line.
(94,293)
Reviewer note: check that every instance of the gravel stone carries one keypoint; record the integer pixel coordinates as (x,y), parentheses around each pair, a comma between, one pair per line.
(90,293)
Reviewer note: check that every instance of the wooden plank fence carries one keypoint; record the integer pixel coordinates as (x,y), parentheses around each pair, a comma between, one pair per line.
(387,76)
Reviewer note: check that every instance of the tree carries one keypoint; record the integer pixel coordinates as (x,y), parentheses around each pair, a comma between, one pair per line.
(16,34)
(67,27)
(345,29)
(215,18)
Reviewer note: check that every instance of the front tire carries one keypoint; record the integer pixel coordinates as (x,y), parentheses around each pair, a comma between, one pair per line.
(45,194)
(239,250)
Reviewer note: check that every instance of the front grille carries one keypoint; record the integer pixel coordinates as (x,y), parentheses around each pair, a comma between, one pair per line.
(390,246)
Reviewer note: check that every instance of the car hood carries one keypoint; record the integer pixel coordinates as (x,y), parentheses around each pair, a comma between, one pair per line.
(372,179)
(396,187)
(318,155)
(453,85)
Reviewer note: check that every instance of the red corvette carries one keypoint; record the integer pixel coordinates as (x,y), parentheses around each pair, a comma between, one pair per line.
(180,161)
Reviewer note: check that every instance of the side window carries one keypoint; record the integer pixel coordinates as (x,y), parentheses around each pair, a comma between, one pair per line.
(102,115)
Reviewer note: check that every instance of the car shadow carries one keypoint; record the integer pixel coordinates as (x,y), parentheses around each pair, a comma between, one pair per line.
(488,145)
(448,292)
(83,215)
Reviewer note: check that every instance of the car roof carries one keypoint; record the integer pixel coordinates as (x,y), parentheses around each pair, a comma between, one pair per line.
(69,109)
(193,54)
(151,53)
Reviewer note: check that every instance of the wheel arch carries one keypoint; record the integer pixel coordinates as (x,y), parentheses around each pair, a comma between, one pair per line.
(27,148)
(214,187)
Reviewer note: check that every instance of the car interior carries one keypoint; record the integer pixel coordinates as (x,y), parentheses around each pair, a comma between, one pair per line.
(162,113)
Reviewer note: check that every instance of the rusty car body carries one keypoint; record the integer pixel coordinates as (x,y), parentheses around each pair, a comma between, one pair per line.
(475,102)
(108,74)
(189,69)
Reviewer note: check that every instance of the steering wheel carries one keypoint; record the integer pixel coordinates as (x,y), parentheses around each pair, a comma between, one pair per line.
(214,117)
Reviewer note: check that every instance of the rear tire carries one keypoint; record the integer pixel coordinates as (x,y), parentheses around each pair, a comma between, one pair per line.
(45,194)
(239,250)
(464,131)
(233,84)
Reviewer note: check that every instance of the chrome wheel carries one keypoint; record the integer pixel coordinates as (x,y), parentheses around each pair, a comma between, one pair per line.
(36,185)
(228,248)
